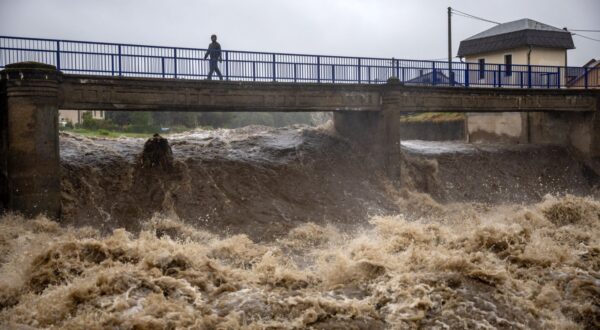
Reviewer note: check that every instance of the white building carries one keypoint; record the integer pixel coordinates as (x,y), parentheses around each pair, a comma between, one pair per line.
(515,45)
(76,116)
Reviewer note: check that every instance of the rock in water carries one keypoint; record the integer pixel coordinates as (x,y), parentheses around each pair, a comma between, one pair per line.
(157,153)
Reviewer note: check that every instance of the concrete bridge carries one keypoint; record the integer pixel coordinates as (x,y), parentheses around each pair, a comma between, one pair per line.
(32,93)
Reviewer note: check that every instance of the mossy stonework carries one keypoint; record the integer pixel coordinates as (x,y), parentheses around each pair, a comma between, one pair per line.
(30,98)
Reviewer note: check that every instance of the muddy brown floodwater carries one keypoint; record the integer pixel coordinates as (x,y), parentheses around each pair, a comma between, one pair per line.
(294,228)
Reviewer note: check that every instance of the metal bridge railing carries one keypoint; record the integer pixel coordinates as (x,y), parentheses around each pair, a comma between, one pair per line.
(99,58)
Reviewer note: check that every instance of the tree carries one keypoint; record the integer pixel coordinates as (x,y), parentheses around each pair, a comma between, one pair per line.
(120,118)
(141,122)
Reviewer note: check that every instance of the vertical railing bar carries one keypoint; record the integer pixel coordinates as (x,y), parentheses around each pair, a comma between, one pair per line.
(175,63)
(499,75)
(58,55)
(226,65)
(120,61)
(274,72)
(76,60)
(318,69)
(84,58)
(403,79)
(333,73)
(521,77)
(358,68)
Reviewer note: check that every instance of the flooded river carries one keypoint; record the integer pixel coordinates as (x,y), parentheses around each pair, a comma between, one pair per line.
(294,228)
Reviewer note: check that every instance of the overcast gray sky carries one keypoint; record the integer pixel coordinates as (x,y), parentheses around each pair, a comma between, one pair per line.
(378,28)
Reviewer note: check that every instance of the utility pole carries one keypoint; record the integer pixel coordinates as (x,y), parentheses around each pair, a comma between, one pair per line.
(450,73)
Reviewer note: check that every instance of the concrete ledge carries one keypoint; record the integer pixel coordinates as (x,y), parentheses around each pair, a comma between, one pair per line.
(130,94)
(157,94)
(431,99)
(28,71)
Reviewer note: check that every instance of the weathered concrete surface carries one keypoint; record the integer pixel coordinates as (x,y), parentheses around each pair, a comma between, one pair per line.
(505,127)
(595,138)
(451,130)
(30,138)
(3,148)
(130,94)
(580,131)
(436,99)
(378,133)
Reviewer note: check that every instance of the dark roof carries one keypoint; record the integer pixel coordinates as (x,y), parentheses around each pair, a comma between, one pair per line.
(574,71)
(575,74)
(524,32)
(591,63)
(440,78)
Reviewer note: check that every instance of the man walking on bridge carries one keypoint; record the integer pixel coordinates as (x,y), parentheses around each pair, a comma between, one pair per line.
(214,51)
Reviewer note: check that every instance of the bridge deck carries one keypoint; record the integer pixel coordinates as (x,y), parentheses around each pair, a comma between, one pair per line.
(32,93)
(84,92)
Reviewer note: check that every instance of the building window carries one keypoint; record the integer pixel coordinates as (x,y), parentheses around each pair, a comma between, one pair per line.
(481,68)
(508,65)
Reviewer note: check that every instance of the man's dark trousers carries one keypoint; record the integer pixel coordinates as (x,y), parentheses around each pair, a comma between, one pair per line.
(214,67)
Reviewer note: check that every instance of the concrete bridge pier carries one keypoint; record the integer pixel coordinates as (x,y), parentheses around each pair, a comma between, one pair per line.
(378,132)
(29,149)
(595,140)
(577,130)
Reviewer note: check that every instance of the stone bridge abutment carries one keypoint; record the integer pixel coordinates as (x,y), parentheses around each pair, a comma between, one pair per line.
(29,152)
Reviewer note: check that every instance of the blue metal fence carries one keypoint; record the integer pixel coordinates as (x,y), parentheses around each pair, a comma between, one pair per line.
(98,58)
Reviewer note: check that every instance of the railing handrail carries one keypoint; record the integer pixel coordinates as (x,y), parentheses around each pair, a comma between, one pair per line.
(200,49)
(253,52)
(128,58)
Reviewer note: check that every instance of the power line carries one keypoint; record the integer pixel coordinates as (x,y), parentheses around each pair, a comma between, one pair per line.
(473,16)
(466,15)
(586,37)
(584,30)
(476,18)
(463,14)
(581,35)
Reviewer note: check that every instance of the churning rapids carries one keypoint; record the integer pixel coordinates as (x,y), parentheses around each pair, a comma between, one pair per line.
(294,228)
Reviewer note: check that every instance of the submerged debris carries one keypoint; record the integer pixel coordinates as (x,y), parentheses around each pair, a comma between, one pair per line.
(157,153)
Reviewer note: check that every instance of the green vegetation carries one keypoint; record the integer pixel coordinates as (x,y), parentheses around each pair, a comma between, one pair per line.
(433,116)
(106,133)
(152,121)
(144,123)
